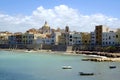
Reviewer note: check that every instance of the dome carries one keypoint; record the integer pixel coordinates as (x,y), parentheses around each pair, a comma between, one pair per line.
(46,25)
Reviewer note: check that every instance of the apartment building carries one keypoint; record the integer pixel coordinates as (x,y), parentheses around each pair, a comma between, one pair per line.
(75,38)
(108,38)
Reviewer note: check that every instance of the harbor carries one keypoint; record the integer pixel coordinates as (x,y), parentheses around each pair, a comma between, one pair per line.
(19,65)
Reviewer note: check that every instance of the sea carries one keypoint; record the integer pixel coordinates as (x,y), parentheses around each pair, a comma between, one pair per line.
(48,66)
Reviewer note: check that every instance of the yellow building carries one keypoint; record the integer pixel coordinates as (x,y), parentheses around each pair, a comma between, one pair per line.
(85,40)
(62,39)
(4,37)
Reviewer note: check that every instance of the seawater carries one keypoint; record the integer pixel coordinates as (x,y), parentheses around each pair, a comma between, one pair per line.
(46,66)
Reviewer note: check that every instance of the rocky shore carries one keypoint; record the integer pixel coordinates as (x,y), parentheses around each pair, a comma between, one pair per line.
(102,56)
(110,55)
(102,59)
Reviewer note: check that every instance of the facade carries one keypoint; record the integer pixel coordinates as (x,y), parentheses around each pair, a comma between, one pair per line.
(75,38)
(55,38)
(4,43)
(98,32)
(93,39)
(20,40)
(62,39)
(108,39)
(4,37)
(118,37)
(104,37)
(85,40)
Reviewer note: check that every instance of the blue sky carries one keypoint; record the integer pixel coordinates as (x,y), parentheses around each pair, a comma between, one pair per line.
(25,7)
(80,15)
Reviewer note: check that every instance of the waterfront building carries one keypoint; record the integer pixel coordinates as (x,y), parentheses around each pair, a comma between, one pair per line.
(62,39)
(4,43)
(108,39)
(92,40)
(4,37)
(98,34)
(85,40)
(15,40)
(118,37)
(75,38)
(20,40)
(55,38)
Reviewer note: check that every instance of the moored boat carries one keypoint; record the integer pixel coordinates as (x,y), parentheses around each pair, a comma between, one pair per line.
(86,74)
(111,67)
(66,67)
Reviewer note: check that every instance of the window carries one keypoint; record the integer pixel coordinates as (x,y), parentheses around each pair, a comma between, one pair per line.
(70,36)
(113,43)
(109,42)
(52,40)
(70,39)
(103,43)
(116,36)
(106,42)
(109,37)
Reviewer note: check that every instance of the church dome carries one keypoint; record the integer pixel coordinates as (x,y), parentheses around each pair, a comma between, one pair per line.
(46,25)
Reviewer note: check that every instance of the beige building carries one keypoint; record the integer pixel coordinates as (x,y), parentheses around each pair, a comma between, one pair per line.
(4,37)
(62,39)
(32,31)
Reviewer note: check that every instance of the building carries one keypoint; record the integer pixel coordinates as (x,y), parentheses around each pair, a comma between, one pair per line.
(108,39)
(92,39)
(20,40)
(98,33)
(4,43)
(85,40)
(118,37)
(75,38)
(45,29)
(62,39)
(32,31)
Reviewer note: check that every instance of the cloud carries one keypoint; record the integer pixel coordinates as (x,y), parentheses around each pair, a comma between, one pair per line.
(59,16)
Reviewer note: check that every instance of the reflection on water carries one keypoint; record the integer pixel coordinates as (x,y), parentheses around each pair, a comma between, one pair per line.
(44,66)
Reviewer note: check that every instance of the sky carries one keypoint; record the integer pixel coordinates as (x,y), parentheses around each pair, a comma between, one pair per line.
(79,15)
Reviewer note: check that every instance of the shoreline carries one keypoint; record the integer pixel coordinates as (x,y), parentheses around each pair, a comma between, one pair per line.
(87,53)
(95,56)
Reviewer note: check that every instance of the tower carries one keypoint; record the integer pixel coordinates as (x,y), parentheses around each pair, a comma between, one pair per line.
(67,29)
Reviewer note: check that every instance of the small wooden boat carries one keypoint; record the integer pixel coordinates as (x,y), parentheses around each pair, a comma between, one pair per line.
(111,67)
(86,74)
(66,67)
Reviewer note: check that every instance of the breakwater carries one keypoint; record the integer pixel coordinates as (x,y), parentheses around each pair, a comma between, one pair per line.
(102,59)
(110,55)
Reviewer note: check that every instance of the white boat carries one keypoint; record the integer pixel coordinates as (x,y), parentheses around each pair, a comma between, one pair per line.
(66,67)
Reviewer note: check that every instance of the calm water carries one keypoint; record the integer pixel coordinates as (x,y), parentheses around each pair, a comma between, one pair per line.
(44,66)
